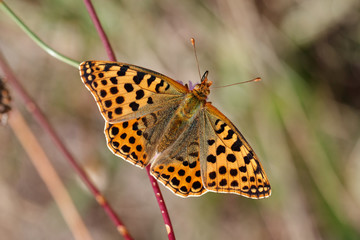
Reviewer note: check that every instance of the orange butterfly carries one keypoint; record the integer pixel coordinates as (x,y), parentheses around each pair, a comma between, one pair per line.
(191,146)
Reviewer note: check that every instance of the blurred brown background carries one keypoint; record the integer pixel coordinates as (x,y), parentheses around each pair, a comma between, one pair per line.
(303,119)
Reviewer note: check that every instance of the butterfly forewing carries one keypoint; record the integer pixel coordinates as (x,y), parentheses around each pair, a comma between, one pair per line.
(229,164)
(123,91)
(136,103)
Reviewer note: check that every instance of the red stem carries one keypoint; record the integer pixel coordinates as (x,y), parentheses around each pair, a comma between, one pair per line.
(162,205)
(153,181)
(100,30)
(42,120)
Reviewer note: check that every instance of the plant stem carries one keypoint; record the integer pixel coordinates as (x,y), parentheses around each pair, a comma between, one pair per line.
(35,38)
(40,117)
(49,175)
(100,30)
(162,205)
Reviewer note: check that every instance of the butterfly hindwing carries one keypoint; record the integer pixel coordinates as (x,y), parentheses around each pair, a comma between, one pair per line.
(123,91)
(229,163)
(178,167)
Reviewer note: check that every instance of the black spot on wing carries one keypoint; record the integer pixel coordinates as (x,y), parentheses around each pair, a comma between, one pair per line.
(234,183)
(247,158)
(211,158)
(192,165)
(223,182)
(108,103)
(150,100)
(222,170)
(128,87)
(125,148)
(257,170)
(243,169)
(196,185)
(233,172)
(175,181)
(123,70)
(103,93)
(159,85)
(221,129)
(114,131)
(150,80)
(118,110)
(212,175)
(138,77)
(120,99)
(181,172)
(230,134)
(107,66)
(220,149)
(134,106)
(123,136)
(194,154)
(114,90)
(114,80)
(236,145)
(167,87)
(144,120)
(231,157)
(139,94)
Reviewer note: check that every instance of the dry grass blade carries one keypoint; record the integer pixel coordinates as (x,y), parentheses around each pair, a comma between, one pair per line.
(49,175)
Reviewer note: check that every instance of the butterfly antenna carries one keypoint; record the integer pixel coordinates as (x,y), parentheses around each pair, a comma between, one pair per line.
(197,61)
(252,80)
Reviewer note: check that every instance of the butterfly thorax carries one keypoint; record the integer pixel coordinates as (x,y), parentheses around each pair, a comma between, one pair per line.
(186,112)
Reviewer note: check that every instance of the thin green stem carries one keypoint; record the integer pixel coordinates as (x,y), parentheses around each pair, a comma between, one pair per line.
(36,39)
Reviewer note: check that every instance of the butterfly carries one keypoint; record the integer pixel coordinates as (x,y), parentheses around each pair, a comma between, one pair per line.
(191,146)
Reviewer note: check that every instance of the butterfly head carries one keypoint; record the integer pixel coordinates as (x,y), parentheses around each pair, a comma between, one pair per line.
(202,90)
